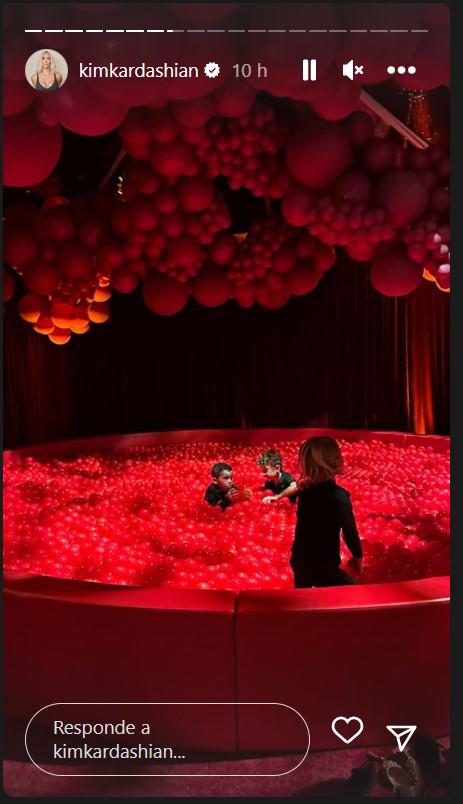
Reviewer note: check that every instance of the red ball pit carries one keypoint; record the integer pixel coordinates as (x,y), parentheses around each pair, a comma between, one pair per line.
(383,647)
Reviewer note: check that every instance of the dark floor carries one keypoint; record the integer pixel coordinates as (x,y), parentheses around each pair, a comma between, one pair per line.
(319,768)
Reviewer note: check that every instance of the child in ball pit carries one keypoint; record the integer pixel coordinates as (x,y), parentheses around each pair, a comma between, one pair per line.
(324,509)
(281,484)
(222,491)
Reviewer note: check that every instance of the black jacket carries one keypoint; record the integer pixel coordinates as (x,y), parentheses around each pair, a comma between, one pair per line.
(277,486)
(215,496)
(324,509)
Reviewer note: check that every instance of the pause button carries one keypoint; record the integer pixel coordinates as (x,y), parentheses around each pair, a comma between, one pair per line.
(309,69)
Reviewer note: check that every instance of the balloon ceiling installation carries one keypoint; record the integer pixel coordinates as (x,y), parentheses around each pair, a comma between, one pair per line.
(332,177)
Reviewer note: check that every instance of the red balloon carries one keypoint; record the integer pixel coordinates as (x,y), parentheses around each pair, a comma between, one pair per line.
(360,127)
(185,252)
(17,96)
(302,279)
(440,199)
(394,274)
(196,193)
(123,280)
(41,277)
(194,113)
(223,248)
(212,287)
(30,150)
(143,215)
(443,277)
(134,131)
(404,195)
(155,245)
(360,252)
(339,99)
(166,200)
(378,156)
(353,187)
(109,257)
(246,295)
(55,201)
(324,257)
(173,224)
(81,110)
(316,154)
(92,230)
(285,258)
(31,308)
(20,246)
(272,299)
(297,206)
(8,285)
(162,126)
(142,175)
(75,261)
(171,158)
(58,223)
(165,296)
(233,99)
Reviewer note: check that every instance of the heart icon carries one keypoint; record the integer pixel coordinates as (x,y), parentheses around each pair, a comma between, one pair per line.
(344,722)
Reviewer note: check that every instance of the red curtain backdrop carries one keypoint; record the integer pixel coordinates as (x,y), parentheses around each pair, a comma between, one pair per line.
(343,356)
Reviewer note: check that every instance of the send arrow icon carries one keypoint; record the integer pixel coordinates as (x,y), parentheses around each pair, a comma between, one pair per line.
(402,734)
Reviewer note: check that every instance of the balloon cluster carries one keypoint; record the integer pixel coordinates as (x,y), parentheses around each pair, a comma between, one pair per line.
(366,194)
(275,262)
(53,251)
(137,517)
(247,149)
(168,226)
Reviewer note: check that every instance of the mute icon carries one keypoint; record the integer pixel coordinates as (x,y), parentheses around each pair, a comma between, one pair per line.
(350,69)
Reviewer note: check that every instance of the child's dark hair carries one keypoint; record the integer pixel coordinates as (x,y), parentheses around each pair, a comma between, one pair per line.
(218,468)
(320,459)
(271,457)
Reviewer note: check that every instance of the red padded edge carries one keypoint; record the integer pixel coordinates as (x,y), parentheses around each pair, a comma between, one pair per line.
(368,596)
(96,594)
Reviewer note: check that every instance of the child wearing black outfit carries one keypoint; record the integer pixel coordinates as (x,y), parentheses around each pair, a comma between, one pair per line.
(324,509)
(222,491)
(279,483)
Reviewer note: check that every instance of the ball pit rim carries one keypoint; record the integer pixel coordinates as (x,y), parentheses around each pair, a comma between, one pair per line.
(367,597)
(248,436)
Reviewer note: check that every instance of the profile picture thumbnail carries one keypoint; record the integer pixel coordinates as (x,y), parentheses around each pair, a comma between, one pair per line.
(46,70)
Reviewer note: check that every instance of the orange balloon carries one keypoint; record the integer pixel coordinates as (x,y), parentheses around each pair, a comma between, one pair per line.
(44,326)
(101,295)
(62,314)
(104,281)
(31,307)
(60,336)
(427,275)
(98,312)
(444,290)
(80,330)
